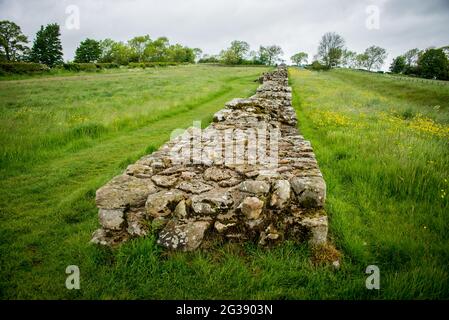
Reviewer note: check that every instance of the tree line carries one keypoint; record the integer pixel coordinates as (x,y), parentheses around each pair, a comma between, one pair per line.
(239,53)
(431,63)
(333,53)
(47,48)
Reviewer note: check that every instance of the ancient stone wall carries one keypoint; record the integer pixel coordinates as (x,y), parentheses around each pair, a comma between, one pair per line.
(249,176)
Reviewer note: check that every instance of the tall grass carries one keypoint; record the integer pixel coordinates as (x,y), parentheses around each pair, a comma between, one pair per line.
(385,166)
(387,173)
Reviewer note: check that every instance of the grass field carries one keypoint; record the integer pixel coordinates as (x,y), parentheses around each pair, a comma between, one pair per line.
(382,145)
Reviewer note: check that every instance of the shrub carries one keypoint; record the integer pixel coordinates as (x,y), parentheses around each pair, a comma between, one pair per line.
(110,65)
(133,65)
(22,67)
(143,65)
(210,59)
(317,66)
(413,71)
(80,67)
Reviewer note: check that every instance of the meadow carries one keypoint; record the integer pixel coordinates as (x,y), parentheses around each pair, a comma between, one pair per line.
(383,147)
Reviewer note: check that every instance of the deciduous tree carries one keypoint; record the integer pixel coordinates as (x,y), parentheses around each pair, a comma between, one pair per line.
(12,41)
(89,50)
(433,63)
(398,65)
(270,55)
(299,58)
(330,49)
(236,53)
(138,46)
(348,58)
(411,57)
(375,57)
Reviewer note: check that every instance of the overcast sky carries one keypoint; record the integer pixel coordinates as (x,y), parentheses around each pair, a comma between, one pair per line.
(295,25)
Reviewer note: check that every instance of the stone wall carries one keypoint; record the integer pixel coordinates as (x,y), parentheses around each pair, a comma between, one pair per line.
(249,176)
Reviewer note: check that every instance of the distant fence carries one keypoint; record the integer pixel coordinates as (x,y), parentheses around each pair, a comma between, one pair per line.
(422,80)
(404,78)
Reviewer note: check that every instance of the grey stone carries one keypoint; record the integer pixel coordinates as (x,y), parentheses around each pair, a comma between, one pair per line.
(164,181)
(318,228)
(229,183)
(255,187)
(281,194)
(183,236)
(194,186)
(162,203)
(180,210)
(139,171)
(112,219)
(217,174)
(137,225)
(310,191)
(124,191)
(211,202)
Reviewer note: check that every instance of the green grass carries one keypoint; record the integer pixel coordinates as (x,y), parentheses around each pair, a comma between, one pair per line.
(385,165)
(383,148)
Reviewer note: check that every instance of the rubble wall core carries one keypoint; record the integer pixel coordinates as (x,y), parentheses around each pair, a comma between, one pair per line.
(248,176)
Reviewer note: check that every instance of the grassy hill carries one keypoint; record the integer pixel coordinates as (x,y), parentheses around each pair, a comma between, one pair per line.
(381,144)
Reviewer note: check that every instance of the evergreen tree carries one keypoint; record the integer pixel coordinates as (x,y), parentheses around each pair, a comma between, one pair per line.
(47,48)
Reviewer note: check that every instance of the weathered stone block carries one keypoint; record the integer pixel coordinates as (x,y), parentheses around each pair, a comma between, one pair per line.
(112,219)
(310,191)
(124,191)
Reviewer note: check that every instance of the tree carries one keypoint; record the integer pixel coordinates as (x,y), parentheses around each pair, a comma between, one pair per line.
(445,50)
(375,57)
(433,64)
(398,65)
(12,41)
(179,53)
(236,53)
(106,48)
(360,60)
(88,51)
(348,59)
(138,46)
(198,53)
(299,58)
(156,51)
(330,49)
(411,57)
(47,48)
(317,66)
(120,53)
(270,55)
